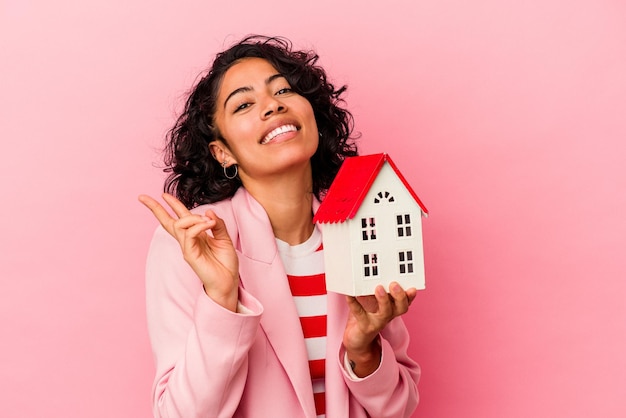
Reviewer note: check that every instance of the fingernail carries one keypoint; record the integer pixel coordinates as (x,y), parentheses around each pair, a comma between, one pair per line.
(380,291)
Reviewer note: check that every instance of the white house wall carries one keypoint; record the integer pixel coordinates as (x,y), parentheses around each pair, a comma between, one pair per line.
(337,258)
(387,245)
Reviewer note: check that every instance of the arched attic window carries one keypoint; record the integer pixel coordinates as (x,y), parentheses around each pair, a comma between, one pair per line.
(383,197)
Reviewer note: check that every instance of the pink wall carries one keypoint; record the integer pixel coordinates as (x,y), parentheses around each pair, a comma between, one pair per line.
(507,117)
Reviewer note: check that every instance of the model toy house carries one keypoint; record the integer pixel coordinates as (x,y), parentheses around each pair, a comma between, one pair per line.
(371,223)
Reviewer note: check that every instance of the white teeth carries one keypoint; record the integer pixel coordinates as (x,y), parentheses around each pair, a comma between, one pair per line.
(278,131)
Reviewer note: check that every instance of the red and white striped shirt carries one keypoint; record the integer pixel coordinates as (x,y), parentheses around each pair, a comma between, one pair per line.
(304,265)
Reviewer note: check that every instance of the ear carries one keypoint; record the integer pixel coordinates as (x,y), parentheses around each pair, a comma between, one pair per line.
(221,153)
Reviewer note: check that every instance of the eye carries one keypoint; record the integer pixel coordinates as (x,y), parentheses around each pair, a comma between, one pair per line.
(284,90)
(242,107)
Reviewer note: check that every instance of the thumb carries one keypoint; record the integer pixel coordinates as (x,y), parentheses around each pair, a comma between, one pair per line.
(355,307)
(219,231)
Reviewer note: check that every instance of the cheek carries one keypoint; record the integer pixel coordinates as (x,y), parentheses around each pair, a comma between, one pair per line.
(240,131)
(305,109)
(309,108)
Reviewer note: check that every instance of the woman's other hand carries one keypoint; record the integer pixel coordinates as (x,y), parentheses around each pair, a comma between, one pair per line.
(206,247)
(367,317)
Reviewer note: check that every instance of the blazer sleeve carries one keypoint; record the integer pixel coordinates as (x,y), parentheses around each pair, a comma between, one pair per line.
(200,349)
(391,391)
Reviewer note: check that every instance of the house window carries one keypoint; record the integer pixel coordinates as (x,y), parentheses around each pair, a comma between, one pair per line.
(368,228)
(384,196)
(405,262)
(370,265)
(403,223)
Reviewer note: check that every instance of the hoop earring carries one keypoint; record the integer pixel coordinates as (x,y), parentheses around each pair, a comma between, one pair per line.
(226,173)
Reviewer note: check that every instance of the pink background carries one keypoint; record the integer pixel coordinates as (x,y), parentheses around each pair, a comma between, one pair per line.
(506,117)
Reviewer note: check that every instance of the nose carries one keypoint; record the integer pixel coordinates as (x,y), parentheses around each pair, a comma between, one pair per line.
(272,106)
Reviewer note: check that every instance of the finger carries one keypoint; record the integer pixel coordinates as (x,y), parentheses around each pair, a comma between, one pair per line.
(385,307)
(369,303)
(355,307)
(400,298)
(188,221)
(197,229)
(219,228)
(176,205)
(190,228)
(411,294)
(194,242)
(159,212)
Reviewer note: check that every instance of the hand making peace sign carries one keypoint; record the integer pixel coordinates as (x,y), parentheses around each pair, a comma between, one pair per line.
(206,247)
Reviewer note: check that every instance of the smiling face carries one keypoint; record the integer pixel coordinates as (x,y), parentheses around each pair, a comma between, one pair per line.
(267,128)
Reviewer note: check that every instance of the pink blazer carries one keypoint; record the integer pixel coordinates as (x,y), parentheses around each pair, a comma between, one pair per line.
(211,362)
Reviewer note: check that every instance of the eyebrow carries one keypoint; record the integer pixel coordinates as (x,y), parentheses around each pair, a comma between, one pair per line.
(249,88)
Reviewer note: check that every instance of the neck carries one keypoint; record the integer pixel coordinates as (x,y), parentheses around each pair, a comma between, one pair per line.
(288,203)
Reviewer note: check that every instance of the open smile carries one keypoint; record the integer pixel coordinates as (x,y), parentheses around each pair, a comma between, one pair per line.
(278,131)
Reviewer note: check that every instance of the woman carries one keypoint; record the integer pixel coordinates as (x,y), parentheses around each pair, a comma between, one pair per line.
(239,320)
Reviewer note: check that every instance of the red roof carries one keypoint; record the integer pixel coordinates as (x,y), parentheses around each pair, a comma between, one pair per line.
(353,181)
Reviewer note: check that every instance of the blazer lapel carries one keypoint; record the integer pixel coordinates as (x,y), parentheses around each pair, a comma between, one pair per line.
(336,390)
(263,275)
